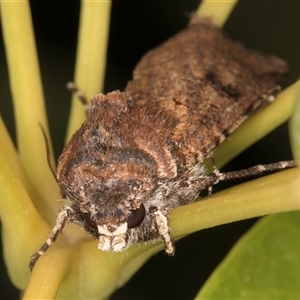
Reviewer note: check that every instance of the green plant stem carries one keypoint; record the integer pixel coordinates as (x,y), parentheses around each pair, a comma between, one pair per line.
(218,10)
(91,56)
(267,195)
(295,128)
(18,215)
(45,280)
(257,126)
(28,99)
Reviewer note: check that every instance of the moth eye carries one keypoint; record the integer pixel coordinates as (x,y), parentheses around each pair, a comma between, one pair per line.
(89,221)
(136,217)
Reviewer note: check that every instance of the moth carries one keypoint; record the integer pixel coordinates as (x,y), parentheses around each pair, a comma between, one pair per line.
(141,152)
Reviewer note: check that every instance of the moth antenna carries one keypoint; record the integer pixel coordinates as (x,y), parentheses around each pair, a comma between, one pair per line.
(257,170)
(51,167)
(71,86)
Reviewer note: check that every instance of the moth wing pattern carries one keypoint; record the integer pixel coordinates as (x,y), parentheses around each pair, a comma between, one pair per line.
(208,82)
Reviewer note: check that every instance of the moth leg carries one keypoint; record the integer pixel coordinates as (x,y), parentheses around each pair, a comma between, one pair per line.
(215,171)
(264,100)
(269,97)
(163,229)
(64,215)
(80,95)
(216,176)
(257,170)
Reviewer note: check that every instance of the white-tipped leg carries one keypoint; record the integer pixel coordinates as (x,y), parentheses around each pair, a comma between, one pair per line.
(161,223)
(64,215)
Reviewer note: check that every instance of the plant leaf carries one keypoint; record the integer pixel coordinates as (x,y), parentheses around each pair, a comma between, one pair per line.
(264,264)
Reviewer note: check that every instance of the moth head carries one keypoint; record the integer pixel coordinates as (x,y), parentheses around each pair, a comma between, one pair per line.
(110,193)
(112,231)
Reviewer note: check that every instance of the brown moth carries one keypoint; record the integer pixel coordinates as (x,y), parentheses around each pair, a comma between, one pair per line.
(141,152)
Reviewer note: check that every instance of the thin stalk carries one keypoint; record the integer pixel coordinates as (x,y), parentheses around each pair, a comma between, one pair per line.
(91,56)
(218,10)
(28,99)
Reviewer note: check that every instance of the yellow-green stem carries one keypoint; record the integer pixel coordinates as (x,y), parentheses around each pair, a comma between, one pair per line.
(295,128)
(267,195)
(91,56)
(22,225)
(218,10)
(38,287)
(28,99)
(260,123)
